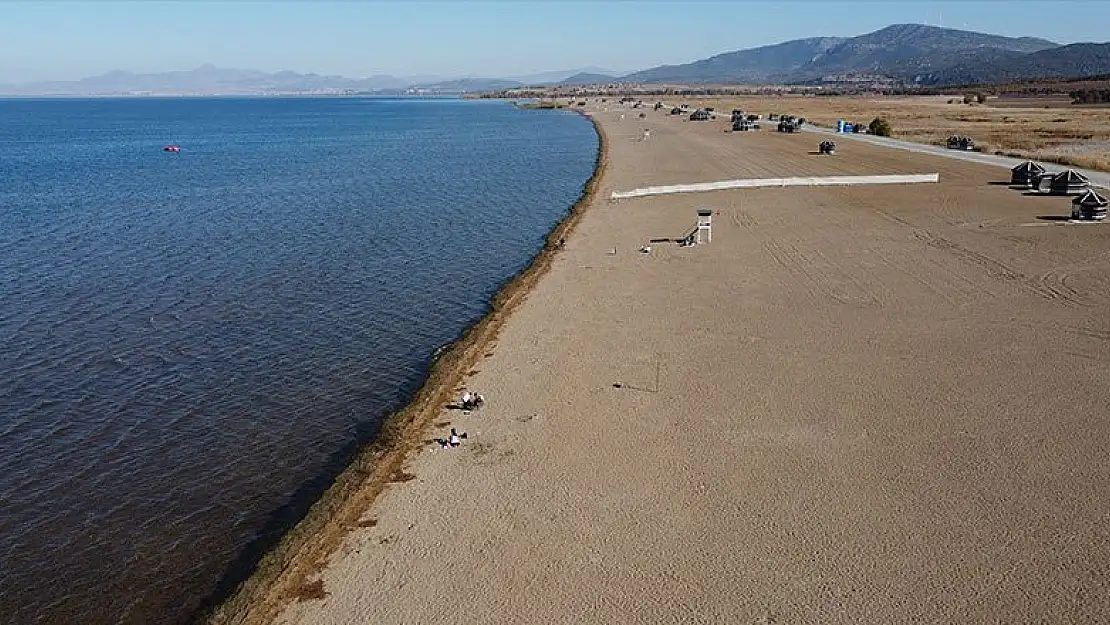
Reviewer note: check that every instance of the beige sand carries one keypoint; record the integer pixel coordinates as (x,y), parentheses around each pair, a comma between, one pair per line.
(864,405)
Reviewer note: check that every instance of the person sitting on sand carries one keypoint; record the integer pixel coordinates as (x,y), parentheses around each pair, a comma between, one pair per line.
(454,440)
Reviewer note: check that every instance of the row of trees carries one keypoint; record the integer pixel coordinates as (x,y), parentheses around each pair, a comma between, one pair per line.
(973,97)
(1090,96)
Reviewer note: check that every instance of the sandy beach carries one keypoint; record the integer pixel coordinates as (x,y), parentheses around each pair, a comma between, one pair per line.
(867,404)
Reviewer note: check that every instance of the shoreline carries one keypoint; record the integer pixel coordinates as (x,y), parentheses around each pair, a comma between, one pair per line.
(289,571)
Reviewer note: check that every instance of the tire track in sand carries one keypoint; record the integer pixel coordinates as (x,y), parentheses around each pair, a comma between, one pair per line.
(824,278)
(1002,272)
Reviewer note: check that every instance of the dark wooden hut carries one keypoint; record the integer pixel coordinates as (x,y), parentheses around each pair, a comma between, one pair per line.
(700,115)
(956,142)
(676,111)
(1089,207)
(741,125)
(1026,174)
(1068,182)
(826,147)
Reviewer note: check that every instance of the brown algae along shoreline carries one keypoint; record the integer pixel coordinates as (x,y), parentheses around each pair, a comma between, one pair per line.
(290,571)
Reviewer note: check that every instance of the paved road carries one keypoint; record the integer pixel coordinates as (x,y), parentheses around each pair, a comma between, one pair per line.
(1097,178)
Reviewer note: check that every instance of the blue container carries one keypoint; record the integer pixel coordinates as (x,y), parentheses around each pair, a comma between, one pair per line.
(840,125)
(847,128)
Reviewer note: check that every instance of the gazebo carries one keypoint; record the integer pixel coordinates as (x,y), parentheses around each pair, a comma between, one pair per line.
(1026,174)
(1089,207)
(1068,182)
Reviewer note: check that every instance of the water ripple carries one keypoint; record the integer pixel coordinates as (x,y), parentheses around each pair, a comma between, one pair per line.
(189,339)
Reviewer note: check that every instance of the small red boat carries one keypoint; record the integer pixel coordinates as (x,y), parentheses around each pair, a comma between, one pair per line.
(171,148)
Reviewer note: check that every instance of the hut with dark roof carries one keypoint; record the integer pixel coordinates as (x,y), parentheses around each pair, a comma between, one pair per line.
(700,115)
(1026,174)
(1068,182)
(1089,207)
(956,142)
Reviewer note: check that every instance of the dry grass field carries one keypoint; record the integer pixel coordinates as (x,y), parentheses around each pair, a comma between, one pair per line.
(1046,129)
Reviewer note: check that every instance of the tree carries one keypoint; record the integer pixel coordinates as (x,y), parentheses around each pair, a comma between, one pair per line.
(980,98)
(880,127)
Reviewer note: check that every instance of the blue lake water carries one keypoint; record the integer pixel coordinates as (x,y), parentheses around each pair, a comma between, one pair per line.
(192,344)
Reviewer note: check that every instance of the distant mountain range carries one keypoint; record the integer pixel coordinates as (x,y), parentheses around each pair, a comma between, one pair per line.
(209,79)
(907,53)
(904,54)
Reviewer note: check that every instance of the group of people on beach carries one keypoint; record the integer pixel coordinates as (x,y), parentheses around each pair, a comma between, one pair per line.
(469,401)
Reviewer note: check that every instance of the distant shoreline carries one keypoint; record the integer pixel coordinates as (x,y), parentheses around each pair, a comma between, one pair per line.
(166,96)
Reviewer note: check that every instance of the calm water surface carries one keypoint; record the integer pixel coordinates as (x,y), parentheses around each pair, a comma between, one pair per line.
(192,344)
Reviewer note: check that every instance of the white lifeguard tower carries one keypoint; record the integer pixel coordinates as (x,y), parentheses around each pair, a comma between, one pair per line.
(705,226)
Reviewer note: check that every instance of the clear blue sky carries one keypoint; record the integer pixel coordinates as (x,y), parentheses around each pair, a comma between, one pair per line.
(69,40)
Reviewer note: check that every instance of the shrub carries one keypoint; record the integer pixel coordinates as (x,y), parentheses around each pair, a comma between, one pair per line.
(880,127)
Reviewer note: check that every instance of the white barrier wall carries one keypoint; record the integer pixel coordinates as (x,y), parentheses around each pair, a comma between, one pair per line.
(751,183)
